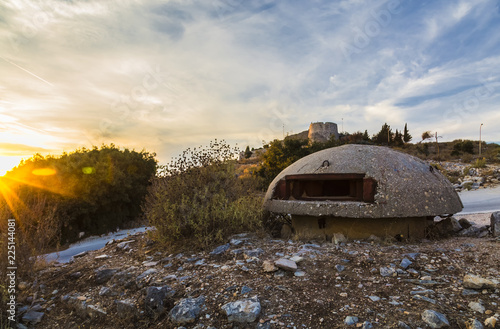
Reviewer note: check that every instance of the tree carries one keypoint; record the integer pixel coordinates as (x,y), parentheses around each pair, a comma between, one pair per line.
(94,190)
(426,135)
(366,137)
(406,135)
(248,153)
(398,138)
(384,136)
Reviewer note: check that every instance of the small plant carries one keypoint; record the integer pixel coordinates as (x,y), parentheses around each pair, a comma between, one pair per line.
(199,200)
(480,163)
(467,186)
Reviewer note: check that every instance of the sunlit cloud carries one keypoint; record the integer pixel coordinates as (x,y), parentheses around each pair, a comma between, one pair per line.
(165,76)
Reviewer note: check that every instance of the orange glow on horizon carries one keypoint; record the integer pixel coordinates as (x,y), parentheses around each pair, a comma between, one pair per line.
(43,172)
(11,198)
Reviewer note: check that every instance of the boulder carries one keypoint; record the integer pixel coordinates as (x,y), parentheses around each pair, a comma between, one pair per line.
(187,310)
(448,226)
(242,311)
(464,223)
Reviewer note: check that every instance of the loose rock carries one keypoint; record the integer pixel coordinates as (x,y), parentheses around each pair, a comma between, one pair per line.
(351,320)
(435,319)
(33,317)
(102,276)
(387,271)
(243,311)
(477,307)
(286,264)
(338,238)
(405,263)
(472,281)
(125,308)
(490,322)
(473,324)
(268,266)
(155,297)
(403,325)
(495,223)
(367,325)
(187,310)
(220,249)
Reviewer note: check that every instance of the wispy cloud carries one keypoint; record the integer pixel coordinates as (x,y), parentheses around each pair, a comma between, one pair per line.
(167,75)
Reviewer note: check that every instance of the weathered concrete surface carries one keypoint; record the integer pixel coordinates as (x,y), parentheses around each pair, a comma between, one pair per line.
(360,228)
(406,186)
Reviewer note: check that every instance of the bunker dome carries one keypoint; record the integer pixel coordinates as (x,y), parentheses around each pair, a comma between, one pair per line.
(359,191)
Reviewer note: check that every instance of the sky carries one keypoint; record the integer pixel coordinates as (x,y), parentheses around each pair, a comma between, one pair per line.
(167,75)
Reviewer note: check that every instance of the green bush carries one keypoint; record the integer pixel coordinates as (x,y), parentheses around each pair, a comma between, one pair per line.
(91,190)
(198,200)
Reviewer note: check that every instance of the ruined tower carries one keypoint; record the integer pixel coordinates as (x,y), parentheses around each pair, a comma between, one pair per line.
(322,131)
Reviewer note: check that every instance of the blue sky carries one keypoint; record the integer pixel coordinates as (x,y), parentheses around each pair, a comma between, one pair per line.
(167,75)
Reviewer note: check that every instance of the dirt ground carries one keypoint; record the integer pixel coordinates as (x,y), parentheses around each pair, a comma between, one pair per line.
(332,282)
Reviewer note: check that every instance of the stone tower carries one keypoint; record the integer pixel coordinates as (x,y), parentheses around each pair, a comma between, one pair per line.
(322,131)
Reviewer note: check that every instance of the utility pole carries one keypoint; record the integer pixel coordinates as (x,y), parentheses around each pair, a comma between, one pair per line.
(342,125)
(480,139)
(437,144)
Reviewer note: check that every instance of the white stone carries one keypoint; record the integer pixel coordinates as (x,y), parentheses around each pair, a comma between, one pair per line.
(286,264)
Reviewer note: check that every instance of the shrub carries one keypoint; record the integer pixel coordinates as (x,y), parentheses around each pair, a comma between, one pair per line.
(35,229)
(92,190)
(199,200)
(480,163)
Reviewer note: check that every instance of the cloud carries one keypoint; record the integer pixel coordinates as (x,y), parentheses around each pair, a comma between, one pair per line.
(11,149)
(168,75)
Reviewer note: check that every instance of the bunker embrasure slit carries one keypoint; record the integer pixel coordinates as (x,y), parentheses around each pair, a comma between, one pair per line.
(333,187)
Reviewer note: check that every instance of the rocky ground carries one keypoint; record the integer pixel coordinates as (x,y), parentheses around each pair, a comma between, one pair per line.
(259,282)
(465,177)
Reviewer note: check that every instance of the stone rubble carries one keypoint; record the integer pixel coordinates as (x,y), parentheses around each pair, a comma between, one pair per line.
(270,283)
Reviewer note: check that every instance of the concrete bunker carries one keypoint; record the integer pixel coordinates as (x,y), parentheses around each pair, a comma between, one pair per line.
(359,191)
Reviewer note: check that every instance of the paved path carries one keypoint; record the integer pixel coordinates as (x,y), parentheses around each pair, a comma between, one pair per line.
(481,201)
(89,244)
